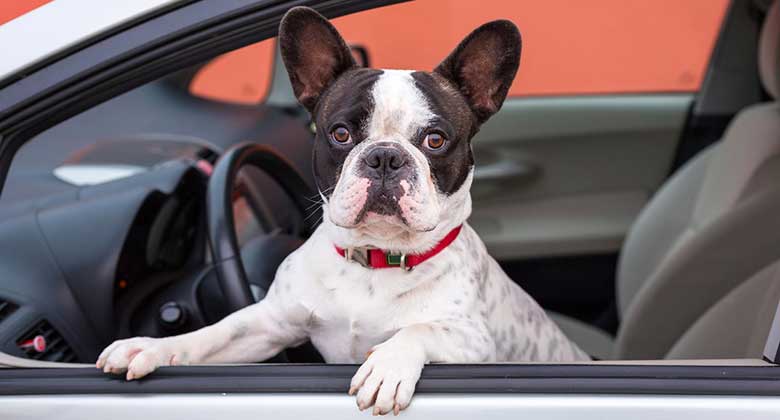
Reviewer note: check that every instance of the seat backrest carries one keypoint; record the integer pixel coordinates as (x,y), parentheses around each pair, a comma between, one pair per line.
(737,326)
(709,228)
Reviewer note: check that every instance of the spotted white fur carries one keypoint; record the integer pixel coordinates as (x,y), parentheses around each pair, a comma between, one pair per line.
(457,307)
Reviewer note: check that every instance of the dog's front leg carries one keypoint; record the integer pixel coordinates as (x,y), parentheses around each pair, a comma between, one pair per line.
(389,375)
(252,334)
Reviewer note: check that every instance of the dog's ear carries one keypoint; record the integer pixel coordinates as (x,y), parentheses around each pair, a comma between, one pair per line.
(483,66)
(313,53)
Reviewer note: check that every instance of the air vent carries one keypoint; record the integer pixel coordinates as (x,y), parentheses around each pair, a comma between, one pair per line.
(43,342)
(6,309)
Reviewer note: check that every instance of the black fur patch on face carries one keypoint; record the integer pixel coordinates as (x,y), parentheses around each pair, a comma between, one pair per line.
(463,92)
(450,166)
(346,102)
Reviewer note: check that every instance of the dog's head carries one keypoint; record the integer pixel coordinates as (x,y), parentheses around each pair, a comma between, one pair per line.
(392,155)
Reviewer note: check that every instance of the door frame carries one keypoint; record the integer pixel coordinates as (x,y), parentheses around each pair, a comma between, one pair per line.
(722,377)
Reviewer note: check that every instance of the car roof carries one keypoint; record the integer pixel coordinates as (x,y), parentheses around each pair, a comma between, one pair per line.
(61,24)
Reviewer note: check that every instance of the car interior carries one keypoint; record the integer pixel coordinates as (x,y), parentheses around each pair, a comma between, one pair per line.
(645,224)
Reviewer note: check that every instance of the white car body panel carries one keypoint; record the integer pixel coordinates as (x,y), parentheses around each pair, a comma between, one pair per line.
(342,406)
(60,24)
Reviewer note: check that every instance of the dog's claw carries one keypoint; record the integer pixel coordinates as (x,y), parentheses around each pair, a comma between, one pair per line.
(135,357)
(387,380)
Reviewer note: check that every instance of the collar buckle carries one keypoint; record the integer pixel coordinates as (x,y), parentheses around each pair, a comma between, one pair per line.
(362,256)
(398,260)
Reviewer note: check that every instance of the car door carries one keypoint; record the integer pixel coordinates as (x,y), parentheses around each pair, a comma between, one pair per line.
(144,49)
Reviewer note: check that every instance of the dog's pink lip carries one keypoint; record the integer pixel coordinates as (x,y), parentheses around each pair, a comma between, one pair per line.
(361,223)
(343,225)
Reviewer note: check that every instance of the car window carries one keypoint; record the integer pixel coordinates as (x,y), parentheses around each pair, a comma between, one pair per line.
(594,47)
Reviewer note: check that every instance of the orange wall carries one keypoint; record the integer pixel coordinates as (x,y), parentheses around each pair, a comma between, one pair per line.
(10,9)
(569,46)
(242,76)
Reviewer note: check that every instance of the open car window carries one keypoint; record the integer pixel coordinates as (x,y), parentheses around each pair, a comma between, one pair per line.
(197,111)
(118,138)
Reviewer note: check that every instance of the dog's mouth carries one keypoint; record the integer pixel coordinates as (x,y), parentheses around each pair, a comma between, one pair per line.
(383,210)
(381,207)
(393,205)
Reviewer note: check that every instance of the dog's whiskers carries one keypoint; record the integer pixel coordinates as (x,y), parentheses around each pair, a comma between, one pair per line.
(314,204)
(310,215)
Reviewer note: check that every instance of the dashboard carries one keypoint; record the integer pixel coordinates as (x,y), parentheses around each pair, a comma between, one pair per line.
(87,264)
(84,255)
(107,261)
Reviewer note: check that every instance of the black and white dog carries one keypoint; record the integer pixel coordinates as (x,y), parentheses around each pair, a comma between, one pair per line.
(394,277)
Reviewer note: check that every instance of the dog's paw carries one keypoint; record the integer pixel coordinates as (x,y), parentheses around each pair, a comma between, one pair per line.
(138,356)
(387,378)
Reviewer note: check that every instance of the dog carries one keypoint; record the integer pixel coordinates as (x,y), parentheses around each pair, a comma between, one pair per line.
(393,277)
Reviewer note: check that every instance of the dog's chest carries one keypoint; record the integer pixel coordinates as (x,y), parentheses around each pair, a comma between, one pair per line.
(351,308)
(360,308)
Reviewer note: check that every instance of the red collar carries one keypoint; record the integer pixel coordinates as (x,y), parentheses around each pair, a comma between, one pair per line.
(377,258)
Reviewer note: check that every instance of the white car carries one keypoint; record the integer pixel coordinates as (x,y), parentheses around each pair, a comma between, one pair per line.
(639,204)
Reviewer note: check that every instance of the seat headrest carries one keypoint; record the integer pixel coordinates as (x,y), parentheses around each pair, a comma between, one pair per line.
(769,51)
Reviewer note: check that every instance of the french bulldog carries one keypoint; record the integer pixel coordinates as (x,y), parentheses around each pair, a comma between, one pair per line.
(394,277)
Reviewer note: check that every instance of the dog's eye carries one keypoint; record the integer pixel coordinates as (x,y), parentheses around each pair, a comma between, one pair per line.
(340,135)
(434,141)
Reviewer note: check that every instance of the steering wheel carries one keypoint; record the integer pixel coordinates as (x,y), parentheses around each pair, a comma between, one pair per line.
(223,241)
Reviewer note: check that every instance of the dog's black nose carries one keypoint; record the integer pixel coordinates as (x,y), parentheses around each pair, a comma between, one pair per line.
(384,161)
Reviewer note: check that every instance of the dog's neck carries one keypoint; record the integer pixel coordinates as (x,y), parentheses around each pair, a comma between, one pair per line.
(395,237)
